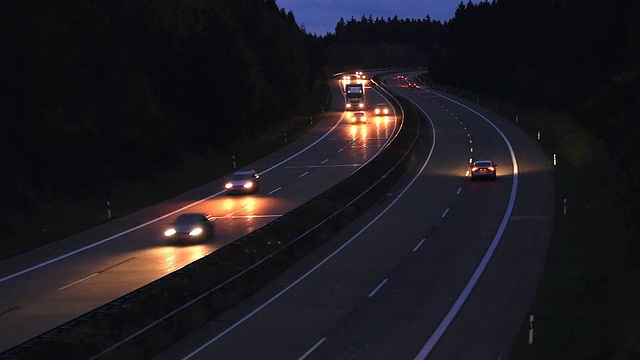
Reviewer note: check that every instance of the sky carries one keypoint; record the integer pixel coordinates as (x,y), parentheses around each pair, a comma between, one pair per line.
(321,16)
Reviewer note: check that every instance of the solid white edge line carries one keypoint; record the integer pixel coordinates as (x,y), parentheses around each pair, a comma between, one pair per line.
(77,251)
(442,327)
(445,213)
(305,174)
(371,294)
(275,190)
(330,256)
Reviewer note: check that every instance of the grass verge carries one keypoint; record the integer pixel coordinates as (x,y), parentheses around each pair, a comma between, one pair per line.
(56,220)
(586,306)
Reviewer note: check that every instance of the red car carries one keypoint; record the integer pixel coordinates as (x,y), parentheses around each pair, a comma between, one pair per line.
(412,85)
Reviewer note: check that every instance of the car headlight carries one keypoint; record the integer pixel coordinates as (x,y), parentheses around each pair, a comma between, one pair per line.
(228,185)
(386,111)
(248,185)
(195,232)
(361,105)
(170,232)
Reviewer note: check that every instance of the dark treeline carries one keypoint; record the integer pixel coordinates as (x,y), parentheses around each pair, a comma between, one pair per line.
(97,92)
(575,56)
(375,43)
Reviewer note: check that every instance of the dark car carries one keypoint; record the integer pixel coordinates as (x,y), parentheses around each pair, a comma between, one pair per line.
(412,85)
(483,169)
(381,109)
(191,226)
(243,182)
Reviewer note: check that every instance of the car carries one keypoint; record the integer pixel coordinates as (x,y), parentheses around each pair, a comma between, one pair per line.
(483,169)
(412,85)
(381,109)
(191,226)
(242,182)
(400,77)
(358,117)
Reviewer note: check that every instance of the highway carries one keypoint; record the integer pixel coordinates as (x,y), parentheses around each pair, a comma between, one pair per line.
(443,268)
(49,286)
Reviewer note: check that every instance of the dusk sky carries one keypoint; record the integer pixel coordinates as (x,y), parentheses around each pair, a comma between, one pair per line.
(321,16)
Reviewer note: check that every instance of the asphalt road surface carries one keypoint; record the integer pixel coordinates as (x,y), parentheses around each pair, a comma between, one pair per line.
(51,285)
(443,268)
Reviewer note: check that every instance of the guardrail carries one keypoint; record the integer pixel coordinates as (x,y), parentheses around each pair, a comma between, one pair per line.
(145,321)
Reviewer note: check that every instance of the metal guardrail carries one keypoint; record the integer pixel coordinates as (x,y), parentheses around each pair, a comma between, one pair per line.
(143,322)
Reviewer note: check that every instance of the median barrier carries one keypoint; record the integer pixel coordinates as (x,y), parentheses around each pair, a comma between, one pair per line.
(149,319)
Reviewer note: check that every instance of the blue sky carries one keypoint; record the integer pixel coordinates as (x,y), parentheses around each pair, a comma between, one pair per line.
(321,16)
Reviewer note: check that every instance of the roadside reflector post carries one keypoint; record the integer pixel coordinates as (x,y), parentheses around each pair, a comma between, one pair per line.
(233,159)
(285,138)
(109,209)
(311,118)
(530,329)
(516,119)
(538,135)
(564,206)
(555,159)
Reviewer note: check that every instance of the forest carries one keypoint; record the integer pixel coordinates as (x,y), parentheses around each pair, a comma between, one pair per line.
(96,93)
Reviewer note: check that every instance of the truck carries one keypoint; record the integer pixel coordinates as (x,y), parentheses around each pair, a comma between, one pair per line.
(354,94)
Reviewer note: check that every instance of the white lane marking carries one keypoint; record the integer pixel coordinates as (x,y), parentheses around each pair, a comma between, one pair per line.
(79,281)
(467,173)
(442,327)
(329,257)
(335,165)
(471,149)
(325,160)
(305,174)
(84,248)
(460,189)
(445,213)
(252,216)
(470,160)
(419,244)
(340,150)
(275,190)
(313,348)
(378,288)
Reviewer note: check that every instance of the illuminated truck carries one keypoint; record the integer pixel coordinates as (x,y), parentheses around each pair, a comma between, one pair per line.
(354,94)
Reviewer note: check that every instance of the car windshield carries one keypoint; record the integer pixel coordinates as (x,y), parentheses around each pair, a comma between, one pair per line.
(241,176)
(483,163)
(188,219)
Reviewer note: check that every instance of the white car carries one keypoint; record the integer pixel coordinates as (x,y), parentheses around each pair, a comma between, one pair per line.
(483,169)
(358,117)
(243,182)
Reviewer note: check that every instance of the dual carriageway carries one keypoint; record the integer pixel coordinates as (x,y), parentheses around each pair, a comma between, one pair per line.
(441,268)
